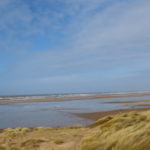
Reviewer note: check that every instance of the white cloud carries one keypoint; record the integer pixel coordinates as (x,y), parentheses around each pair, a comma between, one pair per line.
(101,35)
(119,34)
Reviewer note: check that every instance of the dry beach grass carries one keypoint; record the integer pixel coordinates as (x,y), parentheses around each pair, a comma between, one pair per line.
(125,131)
(121,132)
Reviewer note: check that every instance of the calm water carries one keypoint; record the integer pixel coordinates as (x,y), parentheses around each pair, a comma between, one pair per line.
(56,114)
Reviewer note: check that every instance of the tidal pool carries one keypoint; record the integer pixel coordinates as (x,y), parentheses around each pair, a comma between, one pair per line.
(56,114)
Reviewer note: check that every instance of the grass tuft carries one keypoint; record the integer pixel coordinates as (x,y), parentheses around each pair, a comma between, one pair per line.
(2,148)
(101,121)
(14,148)
(16,132)
(58,141)
(32,143)
(122,132)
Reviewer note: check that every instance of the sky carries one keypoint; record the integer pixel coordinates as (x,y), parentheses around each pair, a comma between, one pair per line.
(72,46)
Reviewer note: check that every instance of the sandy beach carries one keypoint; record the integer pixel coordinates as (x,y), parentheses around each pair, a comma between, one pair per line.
(129,110)
(104,132)
(67,110)
(97,115)
(55,99)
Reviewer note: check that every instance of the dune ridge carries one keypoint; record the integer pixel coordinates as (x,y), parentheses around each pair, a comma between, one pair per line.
(125,131)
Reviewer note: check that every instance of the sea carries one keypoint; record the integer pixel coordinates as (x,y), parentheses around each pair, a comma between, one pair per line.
(60,113)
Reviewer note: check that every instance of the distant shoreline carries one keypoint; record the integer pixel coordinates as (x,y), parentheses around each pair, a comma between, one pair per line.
(69,98)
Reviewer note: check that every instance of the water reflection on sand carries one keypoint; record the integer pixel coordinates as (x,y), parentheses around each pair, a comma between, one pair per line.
(57,114)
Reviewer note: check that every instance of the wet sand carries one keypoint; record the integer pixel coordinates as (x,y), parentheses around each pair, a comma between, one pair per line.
(97,115)
(120,95)
(143,105)
(127,102)
(64,111)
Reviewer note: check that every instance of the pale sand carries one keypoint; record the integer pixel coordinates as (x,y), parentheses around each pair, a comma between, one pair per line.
(76,98)
(97,115)
(131,101)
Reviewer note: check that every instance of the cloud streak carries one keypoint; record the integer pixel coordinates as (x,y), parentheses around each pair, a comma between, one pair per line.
(97,45)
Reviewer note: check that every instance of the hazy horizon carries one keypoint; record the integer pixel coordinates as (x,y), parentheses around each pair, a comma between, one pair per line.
(74,46)
(65,93)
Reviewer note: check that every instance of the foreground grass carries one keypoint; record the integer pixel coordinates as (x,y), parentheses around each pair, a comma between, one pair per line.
(130,131)
(122,132)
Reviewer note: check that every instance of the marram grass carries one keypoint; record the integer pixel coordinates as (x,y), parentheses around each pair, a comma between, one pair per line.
(130,131)
(122,132)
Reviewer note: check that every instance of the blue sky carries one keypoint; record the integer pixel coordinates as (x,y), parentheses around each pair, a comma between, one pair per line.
(53,46)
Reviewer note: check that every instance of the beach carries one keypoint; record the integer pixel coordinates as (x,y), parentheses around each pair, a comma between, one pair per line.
(67,110)
(101,134)
(72,97)
(97,115)
(75,123)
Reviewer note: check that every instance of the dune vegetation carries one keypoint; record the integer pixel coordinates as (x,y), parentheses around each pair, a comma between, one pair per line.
(122,132)
(129,131)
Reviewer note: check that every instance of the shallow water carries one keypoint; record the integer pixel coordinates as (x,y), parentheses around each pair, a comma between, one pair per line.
(56,114)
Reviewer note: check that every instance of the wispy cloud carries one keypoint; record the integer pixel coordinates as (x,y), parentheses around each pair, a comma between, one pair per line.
(99,44)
